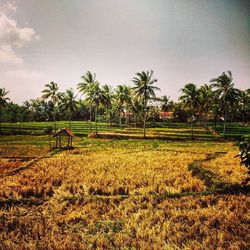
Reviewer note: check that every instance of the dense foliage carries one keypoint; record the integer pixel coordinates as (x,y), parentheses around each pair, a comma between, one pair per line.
(133,105)
(245,151)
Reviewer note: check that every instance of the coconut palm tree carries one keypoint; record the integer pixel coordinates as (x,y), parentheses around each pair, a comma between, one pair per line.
(94,97)
(136,108)
(107,96)
(51,92)
(244,104)
(69,103)
(189,98)
(85,87)
(225,92)
(145,90)
(124,98)
(3,103)
(206,99)
(165,103)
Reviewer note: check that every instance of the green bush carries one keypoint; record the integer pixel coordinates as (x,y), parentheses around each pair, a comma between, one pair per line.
(244,154)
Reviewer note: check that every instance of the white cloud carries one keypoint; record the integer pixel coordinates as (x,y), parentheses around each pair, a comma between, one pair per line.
(12,36)
(7,8)
(8,56)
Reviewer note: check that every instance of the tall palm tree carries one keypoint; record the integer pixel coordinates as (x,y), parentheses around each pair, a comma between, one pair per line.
(69,103)
(3,102)
(85,87)
(206,98)
(51,92)
(95,96)
(27,113)
(107,96)
(189,98)
(244,101)
(145,90)
(124,99)
(136,108)
(165,103)
(225,92)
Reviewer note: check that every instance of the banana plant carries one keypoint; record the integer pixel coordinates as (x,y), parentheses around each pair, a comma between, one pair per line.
(244,155)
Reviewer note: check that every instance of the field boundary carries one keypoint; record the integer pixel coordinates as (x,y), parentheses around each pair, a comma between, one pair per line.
(37,201)
(30,163)
(215,185)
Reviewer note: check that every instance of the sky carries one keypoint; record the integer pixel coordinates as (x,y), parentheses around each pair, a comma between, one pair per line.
(182,41)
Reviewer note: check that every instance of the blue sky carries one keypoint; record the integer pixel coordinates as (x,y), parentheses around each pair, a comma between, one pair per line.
(181,40)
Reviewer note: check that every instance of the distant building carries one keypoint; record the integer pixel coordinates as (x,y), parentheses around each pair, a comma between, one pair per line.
(166,115)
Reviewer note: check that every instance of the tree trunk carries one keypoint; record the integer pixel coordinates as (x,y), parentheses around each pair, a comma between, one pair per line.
(202,120)
(144,125)
(215,122)
(126,114)
(205,119)
(95,120)
(144,119)
(224,127)
(90,117)
(54,114)
(192,125)
(120,119)
(69,120)
(54,118)
(107,118)
(192,129)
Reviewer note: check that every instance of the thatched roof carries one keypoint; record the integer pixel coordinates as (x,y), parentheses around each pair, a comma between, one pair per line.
(64,132)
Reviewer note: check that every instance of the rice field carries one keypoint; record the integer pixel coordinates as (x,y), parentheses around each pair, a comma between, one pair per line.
(234,130)
(122,194)
(160,130)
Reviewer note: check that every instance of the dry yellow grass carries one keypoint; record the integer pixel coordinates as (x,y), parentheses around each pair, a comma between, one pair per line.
(106,172)
(21,150)
(124,195)
(227,168)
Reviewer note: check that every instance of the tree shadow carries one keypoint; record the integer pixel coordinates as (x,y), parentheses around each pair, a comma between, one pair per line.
(216,185)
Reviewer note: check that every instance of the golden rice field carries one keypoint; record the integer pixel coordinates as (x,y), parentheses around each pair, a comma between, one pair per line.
(122,195)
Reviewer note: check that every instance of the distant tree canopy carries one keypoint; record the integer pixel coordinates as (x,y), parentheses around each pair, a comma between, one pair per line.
(133,104)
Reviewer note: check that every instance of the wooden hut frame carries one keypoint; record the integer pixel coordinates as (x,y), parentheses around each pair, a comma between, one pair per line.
(61,134)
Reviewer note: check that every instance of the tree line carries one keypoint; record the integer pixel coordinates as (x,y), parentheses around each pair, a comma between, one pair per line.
(133,105)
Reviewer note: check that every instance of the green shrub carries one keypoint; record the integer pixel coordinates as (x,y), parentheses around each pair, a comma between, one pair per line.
(244,154)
